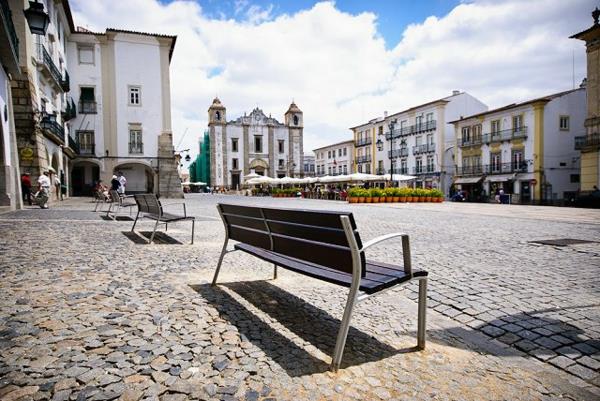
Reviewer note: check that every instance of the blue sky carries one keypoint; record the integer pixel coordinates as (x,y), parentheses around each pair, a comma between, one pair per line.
(392,15)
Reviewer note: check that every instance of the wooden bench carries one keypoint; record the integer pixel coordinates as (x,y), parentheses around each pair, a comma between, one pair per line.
(149,206)
(323,245)
(117,202)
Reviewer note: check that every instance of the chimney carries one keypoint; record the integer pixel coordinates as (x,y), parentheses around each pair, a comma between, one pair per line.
(455,92)
(385,114)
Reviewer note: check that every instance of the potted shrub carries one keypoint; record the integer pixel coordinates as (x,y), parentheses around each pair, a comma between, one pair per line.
(396,195)
(362,194)
(368,196)
(437,195)
(376,194)
(389,194)
(353,194)
(427,193)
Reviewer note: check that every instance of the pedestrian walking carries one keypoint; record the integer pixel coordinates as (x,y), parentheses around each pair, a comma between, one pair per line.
(43,194)
(122,182)
(26,188)
(114,183)
(56,182)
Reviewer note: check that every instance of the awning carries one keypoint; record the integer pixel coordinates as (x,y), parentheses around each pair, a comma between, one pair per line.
(468,180)
(500,177)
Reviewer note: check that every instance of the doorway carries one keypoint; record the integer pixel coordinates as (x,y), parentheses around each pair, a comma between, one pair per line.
(525,192)
(235,180)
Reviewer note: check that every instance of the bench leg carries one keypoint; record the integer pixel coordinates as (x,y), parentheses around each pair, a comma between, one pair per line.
(343,332)
(135,221)
(274,272)
(153,232)
(421,320)
(109,209)
(223,252)
(193,223)
(96,206)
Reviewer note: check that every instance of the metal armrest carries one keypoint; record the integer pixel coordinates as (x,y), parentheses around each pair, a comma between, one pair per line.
(405,248)
(176,203)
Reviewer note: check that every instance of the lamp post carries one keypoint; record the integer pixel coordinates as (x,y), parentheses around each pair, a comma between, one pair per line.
(379,144)
(37,19)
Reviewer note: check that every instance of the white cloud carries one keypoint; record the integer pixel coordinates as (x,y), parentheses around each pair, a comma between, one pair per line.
(336,67)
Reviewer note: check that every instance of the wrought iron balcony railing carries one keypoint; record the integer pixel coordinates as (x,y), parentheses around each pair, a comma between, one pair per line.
(428,169)
(6,15)
(426,148)
(50,124)
(363,159)
(505,135)
(65,82)
(135,147)
(399,170)
(87,148)
(413,129)
(498,168)
(470,141)
(73,144)
(87,107)
(402,152)
(363,142)
(587,141)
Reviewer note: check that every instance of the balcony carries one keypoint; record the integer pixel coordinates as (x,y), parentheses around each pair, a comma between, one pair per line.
(9,55)
(505,135)
(87,148)
(503,168)
(399,170)
(363,159)
(470,170)
(426,148)
(87,107)
(403,152)
(47,66)
(430,169)
(135,147)
(69,111)
(363,142)
(53,129)
(413,129)
(587,142)
(470,141)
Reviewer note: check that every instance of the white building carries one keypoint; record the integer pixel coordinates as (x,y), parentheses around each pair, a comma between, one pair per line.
(309,165)
(422,142)
(120,85)
(525,149)
(10,196)
(335,159)
(254,143)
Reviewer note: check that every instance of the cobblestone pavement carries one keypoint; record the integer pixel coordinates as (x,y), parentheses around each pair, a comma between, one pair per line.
(99,315)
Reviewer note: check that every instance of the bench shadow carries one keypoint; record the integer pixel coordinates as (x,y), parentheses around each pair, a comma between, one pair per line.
(118,218)
(311,324)
(142,237)
(530,332)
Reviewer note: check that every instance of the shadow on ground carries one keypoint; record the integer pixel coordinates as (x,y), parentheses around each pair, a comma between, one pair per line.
(311,324)
(118,218)
(142,237)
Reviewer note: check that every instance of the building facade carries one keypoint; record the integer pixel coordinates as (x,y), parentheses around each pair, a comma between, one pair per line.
(254,143)
(309,165)
(335,159)
(589,143)
(418,141)
(524,149)
(120,87)
(10,194)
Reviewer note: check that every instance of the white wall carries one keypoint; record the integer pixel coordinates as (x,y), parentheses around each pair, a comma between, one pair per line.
(137,62)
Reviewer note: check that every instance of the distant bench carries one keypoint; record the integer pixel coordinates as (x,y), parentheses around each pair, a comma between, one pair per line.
(325,246)
(150,207)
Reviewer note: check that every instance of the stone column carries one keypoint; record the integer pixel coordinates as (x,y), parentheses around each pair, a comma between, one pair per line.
(169,182)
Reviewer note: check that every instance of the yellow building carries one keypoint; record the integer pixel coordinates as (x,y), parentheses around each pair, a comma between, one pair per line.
(589,144)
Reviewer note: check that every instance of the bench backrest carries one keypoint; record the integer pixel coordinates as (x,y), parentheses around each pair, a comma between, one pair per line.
(313,236)
(148,203)
(114,196)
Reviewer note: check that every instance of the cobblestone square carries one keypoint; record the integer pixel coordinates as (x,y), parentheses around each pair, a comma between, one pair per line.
(90,312)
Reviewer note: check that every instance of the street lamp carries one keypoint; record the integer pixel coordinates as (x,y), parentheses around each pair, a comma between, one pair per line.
(36,18)
(379,144)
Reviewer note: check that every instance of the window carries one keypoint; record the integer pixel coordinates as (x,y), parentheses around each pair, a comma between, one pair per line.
(430,164)
(281,144)
(495,126)
(518,164)
(419,140)
(380,130)
(281,163)
(85,55)
(329,154)
(345,169)
(135,96)
(87,101)
(360,168)
(496,162)
(329,170)
(135,140)
(234,164)
(403,166)
(476,133)
(419,165)
(258,144)
(234,144)
(380,167)
(563,123)
(345,151)
(429,118)
(430,139)
(339,169)
(517,122)
(340,152)
(574,178)
(85,141)
(368,168)
(466,135)
(419,121)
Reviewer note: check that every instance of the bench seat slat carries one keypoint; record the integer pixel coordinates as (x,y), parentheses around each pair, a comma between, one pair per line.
(379,275)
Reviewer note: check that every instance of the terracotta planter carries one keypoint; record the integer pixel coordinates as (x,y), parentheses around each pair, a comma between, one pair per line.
(439,200)
(421,199)
(389,199)
(428,199)
(402,198)
(368,199)
(361,199)
(352,199)
(375,199)
(395,198)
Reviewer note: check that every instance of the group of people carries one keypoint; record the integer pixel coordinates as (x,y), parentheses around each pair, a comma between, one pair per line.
(44,184)
(117,183)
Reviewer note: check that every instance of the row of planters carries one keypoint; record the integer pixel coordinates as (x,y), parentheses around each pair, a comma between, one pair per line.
(377,195)
(285,192)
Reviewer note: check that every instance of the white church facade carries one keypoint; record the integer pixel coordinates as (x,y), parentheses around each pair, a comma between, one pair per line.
(254,143)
